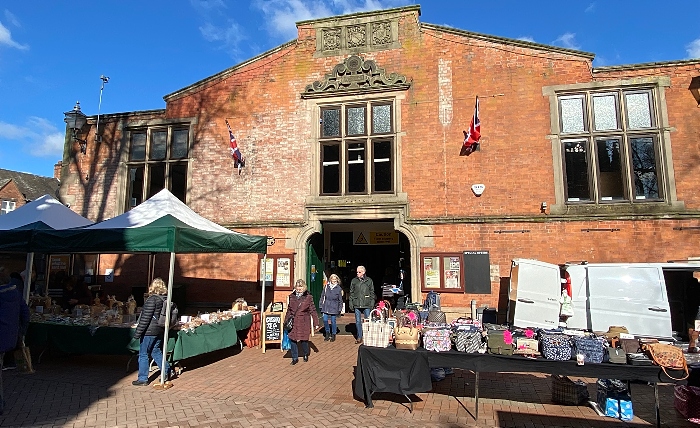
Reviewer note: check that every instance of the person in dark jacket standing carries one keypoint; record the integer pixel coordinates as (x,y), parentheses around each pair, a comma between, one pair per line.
(362,298)
(149,333)
(302,309)
(14,319)
(331,304)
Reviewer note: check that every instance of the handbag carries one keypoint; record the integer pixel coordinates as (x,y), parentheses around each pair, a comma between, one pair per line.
(525,346)
(437,338)
(630,346)
(376,331)
(496,342)
(555,346)
(686,399)
(289,325)
(471,341)
(592,348)
(566,391)
(616,355)
(407,336)
(437,316)
(668,357)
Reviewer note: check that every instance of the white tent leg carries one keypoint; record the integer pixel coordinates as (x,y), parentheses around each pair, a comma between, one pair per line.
(168,301)
(28,276)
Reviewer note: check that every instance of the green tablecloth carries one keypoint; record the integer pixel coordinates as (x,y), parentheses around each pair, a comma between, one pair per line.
(73,339)
(78,339)
(205,338)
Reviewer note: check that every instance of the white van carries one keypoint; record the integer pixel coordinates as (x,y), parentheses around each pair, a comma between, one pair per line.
(650,299)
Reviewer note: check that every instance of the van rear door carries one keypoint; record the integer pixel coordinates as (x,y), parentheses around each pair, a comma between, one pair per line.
(633,296)
(535,289)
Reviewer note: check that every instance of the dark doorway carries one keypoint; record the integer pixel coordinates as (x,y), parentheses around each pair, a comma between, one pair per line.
(383,262)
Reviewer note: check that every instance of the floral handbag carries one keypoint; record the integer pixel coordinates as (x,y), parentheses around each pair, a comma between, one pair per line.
(668,357)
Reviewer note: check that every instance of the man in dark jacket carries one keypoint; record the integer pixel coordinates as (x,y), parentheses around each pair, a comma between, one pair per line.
(14,319)
(150,333)
(362,298)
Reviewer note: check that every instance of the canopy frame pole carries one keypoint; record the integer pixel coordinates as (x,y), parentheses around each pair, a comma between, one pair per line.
(28,276)
(262,297)
(168,301)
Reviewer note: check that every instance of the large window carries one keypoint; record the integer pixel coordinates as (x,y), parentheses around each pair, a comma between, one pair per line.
(7,206)
(158,159)
(610,146)
(357,149)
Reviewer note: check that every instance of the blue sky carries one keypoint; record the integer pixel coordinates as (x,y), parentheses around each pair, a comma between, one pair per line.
(53,53)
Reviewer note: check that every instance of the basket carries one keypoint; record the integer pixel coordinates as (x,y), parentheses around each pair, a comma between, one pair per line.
(568,392)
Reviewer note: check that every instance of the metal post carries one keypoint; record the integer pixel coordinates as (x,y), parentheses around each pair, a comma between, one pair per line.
(28,276)
(262,298)
(168,301)
(476,396)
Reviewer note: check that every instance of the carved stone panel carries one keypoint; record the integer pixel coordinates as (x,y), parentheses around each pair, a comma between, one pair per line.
(331,39)
(357,36)
(381,33)
(356,74)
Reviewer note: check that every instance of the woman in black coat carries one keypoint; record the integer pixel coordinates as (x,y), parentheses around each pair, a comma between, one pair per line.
(149,333)
(301,308)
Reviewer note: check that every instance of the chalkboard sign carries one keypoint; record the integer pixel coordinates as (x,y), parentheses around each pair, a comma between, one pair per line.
(272,328)
(477,274)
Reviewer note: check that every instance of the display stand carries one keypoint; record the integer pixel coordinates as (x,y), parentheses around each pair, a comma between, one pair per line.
(272,329)
(252,335)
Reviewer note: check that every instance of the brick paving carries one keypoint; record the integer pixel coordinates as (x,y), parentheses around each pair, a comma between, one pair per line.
(246,388)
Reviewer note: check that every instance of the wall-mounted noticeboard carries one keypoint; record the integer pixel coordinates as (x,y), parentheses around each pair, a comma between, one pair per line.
(477,272)
(272,328)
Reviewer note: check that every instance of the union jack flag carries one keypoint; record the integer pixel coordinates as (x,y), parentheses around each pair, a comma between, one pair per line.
(471,138)
(238,160)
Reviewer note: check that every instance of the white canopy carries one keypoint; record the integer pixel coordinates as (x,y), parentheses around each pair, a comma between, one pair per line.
(47,210)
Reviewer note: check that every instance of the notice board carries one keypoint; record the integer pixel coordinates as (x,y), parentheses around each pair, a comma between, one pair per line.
(272,328)
(477,272)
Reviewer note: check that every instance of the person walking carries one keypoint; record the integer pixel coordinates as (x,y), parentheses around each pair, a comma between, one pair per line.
(149,333)
(301,310)
(331,304)
(14,320)
(362,298)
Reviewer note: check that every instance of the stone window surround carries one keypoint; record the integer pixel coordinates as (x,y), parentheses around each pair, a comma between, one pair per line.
(666,173)
(126,128)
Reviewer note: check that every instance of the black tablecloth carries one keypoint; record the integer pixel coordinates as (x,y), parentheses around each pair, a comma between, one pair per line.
(408,372)
(390,370)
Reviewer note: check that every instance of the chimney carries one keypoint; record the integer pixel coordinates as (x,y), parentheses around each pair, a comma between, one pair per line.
(57,170)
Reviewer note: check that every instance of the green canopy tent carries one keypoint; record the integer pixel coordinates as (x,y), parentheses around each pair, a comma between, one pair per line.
(161,224)
(18,228)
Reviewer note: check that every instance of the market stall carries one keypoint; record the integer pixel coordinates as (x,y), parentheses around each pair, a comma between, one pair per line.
(18,227)
(407,372)
(161,224)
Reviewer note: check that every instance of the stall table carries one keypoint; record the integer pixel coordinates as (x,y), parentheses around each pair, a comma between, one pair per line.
(87,339)
(408,372)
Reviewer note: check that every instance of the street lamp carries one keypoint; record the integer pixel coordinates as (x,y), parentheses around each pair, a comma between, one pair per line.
(76,119)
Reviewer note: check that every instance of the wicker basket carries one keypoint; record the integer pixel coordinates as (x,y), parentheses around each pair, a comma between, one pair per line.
(566,391)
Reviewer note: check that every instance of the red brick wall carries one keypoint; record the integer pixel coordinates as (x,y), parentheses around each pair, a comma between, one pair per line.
(11,192)
(262,102)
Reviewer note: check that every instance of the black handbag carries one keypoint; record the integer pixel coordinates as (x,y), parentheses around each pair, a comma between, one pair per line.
(289,324)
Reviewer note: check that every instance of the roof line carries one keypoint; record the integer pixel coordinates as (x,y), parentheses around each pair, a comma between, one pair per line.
(360,15)
(223,74)
(646,65)
(514,42)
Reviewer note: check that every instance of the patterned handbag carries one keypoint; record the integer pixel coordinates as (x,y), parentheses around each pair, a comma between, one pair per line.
(592,348)
(555,346)
(471,341)
(376,331)
(525,346)
(437,338)
(568,392)
(668,357)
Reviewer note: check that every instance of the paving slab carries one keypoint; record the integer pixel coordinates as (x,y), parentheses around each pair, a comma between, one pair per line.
(246,388)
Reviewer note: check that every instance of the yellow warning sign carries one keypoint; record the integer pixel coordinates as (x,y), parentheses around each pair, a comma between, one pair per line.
(361,240)
(366,237)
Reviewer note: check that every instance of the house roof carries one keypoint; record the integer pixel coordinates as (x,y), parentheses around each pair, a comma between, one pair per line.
(32,186)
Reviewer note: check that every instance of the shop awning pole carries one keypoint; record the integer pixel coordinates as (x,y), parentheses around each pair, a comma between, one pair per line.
(28,276)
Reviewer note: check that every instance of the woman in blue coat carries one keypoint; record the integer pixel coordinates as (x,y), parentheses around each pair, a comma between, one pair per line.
(331,304)
(14,319)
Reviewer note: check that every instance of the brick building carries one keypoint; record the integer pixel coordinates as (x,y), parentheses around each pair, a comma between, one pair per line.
(352,134)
